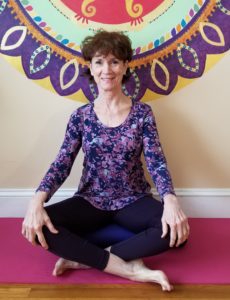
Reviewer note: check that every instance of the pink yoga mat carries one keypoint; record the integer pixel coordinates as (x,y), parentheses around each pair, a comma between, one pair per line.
(204,260)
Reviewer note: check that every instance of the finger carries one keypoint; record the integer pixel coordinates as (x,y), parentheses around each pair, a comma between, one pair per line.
(173,236)
(185,235)
(186,231)
(26,232)
(164,229)
(180,236)
(188,228)
(51,227)
(23,231)
(29,234)
(42,240)
(31,238)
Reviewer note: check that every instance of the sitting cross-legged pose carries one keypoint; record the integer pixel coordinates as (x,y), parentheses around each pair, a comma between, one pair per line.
(112,131)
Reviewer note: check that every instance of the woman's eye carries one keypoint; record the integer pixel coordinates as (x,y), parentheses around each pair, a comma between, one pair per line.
(115,62)
(98,62)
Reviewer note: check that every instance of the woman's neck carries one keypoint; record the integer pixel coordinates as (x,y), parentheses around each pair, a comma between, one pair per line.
(111,99)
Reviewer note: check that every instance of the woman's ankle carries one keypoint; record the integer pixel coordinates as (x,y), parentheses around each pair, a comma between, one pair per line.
(129,270)
(137,271)
(118,266)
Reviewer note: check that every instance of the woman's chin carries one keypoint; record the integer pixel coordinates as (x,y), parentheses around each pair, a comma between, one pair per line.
(109,88)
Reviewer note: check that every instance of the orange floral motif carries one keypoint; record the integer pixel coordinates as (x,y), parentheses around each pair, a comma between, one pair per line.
(87,11)
(135,11)
(111,12)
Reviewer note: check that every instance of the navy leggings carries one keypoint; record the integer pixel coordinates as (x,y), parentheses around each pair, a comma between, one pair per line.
(75,218)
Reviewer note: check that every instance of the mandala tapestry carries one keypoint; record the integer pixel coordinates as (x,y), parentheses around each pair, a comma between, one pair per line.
(171,39)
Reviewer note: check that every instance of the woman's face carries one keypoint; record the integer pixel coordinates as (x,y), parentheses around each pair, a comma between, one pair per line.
(108,71)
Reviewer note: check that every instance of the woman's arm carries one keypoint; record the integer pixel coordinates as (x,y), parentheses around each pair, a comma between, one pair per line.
(154,156)
(62,165)
(173,215)
(36,216)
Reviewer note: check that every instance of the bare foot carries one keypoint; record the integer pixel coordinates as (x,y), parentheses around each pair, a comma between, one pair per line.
(160,278)
(144,274)
(63,264)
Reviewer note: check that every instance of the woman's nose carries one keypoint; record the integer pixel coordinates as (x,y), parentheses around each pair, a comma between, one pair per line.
(106,67)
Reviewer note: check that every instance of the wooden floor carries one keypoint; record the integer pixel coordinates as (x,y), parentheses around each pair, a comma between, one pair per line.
(113,291)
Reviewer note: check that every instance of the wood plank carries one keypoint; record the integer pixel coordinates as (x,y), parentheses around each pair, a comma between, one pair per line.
(14,291)
(145,291)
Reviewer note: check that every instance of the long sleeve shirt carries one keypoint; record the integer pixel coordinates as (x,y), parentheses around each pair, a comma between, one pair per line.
(112,175)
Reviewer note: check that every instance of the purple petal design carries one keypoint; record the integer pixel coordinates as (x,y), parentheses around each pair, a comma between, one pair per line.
(149,70)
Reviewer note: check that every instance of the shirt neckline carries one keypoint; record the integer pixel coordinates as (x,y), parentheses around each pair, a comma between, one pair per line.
(115,127)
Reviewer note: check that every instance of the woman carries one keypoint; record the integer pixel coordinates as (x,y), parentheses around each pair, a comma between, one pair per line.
(113,131)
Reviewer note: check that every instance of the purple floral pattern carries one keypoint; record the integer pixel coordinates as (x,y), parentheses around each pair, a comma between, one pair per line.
(112,175)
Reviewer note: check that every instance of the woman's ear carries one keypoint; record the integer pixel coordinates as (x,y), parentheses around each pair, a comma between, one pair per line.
(126,66)
(90,69)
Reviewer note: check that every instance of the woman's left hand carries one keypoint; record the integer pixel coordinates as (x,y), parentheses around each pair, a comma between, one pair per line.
(174,217)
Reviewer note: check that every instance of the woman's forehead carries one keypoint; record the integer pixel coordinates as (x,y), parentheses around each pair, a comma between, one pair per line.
(103,55)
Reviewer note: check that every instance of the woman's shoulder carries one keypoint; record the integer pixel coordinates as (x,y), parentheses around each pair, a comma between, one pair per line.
(82,110)
(78,115)
(142,107)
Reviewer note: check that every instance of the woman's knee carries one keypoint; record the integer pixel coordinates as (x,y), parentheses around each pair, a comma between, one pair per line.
(159,243)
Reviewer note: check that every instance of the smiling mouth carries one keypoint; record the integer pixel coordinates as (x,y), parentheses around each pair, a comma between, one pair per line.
(107,79)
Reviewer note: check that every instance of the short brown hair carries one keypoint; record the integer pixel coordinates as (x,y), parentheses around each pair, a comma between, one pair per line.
(105,42)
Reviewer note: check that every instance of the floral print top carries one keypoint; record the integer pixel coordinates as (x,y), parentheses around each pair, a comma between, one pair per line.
(112,175)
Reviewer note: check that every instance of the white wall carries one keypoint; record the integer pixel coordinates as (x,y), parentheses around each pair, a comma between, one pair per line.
(193,124)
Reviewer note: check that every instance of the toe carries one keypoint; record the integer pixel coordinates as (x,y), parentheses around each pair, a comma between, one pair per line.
(166,287)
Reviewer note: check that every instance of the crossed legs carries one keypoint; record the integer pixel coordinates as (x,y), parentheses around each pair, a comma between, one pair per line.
(75,217)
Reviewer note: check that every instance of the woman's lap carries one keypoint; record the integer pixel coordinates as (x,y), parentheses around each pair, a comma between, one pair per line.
(77,216)
(144,213)
(73,218)
(144,218)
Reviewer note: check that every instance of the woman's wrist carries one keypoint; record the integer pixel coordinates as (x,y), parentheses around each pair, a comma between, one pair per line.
(170,198)
(39,198)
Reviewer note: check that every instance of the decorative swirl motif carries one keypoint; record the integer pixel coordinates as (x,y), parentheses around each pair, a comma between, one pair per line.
(158,60)
(134,10)
(87,9)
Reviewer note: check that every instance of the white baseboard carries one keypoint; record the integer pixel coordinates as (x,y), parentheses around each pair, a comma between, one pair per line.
(197,203)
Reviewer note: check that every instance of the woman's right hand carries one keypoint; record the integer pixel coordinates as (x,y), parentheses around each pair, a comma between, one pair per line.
(36,217)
